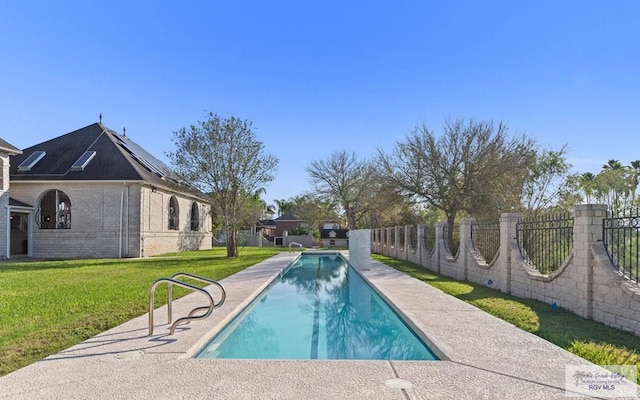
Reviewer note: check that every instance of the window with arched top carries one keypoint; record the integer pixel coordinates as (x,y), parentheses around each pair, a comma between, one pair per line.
(54,210)
(195,217)
(174,220)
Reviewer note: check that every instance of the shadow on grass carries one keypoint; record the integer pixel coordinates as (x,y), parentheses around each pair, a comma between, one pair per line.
(557,325)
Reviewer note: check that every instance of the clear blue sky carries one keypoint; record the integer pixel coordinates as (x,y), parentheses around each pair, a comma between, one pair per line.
(317,77)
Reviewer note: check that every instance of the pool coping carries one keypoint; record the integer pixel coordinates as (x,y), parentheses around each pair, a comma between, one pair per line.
(485,356)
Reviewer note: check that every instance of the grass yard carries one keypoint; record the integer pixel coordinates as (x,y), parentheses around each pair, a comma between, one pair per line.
(47,306)
(588,339)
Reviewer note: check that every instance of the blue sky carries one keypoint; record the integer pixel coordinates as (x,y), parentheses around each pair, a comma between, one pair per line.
(318,77)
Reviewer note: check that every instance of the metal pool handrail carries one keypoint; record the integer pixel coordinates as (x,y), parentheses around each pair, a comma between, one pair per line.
(295,244)
(173,281)
(197,278)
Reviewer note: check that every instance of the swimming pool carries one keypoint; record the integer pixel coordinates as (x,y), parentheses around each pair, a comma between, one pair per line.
(319,308)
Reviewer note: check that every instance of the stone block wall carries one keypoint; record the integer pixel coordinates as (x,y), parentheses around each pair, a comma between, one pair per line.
(586,283)
(113,220)
(4,202)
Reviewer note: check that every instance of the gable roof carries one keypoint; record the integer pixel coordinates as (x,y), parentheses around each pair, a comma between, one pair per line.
(116,157)
(9,148)
(334,233)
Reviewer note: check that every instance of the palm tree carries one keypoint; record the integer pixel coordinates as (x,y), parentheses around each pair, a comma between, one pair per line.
(635,168)
(613,165)
(284,206)
(587,183)
(616,183)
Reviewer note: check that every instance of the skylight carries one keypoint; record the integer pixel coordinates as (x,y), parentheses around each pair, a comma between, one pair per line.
(83,161)
(31,161)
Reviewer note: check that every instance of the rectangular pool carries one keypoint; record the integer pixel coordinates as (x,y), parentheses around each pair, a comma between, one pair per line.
(319,308)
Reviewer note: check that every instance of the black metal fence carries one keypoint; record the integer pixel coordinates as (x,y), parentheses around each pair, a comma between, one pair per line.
(452,247)
(545,241)
(621,237)
(429,238)
(485,237)
(413,238)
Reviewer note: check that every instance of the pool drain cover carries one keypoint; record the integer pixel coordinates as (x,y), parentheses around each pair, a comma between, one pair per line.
(397,383)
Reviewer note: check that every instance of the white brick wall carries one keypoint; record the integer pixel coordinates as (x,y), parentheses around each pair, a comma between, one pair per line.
(112,220)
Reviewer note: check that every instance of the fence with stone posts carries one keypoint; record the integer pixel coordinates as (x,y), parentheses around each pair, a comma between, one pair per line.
(585,281)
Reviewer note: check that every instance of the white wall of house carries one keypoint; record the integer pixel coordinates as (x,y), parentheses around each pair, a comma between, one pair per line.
(4,203)
(111,219)
(157,238)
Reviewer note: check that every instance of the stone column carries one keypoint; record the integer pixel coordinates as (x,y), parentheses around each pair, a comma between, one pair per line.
(396,242)
(503,265)
(465,239)
(419,242)
(587,229)
(437,249)
(360,248)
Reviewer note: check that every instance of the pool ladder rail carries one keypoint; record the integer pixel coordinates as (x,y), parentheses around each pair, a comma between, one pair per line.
(173,280)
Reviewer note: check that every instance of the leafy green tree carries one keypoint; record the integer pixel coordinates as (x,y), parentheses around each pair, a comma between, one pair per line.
(222,157)
(548,182)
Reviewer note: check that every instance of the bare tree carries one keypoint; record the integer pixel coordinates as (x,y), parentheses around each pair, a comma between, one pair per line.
(223,158)
(466,168)
(345,180)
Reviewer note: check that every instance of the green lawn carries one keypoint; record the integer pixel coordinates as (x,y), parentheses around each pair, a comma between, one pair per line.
(588,339)
(47,306)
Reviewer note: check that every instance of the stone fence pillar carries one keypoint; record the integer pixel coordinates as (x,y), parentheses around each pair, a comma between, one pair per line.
(508,234)
(360,248)
(420,242)
(465,242)
(439,243)
(587,229)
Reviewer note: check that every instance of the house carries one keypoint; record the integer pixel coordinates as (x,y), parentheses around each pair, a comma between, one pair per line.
(287,223)
(331,237)
(330,232)
(95,193)
(6,203)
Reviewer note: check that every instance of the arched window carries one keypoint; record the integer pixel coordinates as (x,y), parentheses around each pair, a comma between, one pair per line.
(54,210)
(195,217)
(174,220)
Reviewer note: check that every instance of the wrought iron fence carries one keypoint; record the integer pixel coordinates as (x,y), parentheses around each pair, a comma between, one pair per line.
(455,241)
(429,238)
(545,241)
(621,237)
(485,237)
(413,238)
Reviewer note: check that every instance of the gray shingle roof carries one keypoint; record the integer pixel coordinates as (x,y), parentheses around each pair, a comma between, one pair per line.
(117,158)
(9,148)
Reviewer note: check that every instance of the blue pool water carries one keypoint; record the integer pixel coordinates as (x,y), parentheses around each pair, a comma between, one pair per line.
(320,308)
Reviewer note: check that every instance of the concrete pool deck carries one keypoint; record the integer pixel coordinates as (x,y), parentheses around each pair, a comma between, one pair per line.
(486,357)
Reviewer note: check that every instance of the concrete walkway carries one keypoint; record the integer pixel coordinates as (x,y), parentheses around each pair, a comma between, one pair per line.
(485,357)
